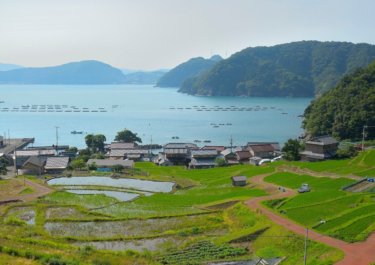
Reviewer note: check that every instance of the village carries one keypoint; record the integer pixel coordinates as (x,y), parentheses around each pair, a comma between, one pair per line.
(21,157)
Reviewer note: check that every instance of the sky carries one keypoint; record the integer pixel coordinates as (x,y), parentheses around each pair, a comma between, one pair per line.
(159,34)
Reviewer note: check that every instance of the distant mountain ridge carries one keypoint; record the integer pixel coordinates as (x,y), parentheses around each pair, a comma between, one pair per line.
(84,72)
(143,78)
(186,70)
(298,69)
(7,66)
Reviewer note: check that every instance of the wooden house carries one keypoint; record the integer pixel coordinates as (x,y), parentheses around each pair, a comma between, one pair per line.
(203,158)
(319,148)
(34,165)
(239,181)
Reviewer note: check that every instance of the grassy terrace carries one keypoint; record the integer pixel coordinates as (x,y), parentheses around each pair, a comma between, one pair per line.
(327,208)
(362,165)
(203,215)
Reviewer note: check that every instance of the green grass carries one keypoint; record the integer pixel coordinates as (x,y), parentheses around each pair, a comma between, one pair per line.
(310,215)
(87,201)
(361,165)
(212,185)
(27,191)
(326,201)
(341,220)
(294,181)
(354,231)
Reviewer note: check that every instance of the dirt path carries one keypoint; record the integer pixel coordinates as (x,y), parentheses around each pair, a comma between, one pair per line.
(298,170)
(361,253)
(39,190)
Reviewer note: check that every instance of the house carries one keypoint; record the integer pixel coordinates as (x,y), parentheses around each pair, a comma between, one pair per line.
(275,145)
(218,148)
(133,154)
(319,148)
(21,156)
(239,181)
(203,158)
(230,156)
(178,153)
(109,163)
(121,145)
(243,156)
(56,164)
(34,165)
(261,150)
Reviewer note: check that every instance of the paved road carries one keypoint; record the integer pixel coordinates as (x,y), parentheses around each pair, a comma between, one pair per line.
(361,253)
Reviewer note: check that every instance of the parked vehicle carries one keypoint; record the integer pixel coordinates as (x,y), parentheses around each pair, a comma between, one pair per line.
(304,188)
(264,161)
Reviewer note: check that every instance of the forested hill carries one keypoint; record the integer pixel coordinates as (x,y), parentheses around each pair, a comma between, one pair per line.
(345,109)
(189,69)
(84,72)
(298,69)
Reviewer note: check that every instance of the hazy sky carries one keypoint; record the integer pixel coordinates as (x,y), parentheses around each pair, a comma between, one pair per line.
(152,34)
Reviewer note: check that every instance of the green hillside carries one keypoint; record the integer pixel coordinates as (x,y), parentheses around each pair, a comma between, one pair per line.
(186,70)
(344,110)
(298,69)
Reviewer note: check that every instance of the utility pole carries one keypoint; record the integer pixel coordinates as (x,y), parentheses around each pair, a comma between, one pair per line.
(365,127)
(306,238)
(363,137)
(57,137)
(231,144)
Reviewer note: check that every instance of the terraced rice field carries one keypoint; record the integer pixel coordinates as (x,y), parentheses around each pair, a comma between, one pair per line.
(329,209)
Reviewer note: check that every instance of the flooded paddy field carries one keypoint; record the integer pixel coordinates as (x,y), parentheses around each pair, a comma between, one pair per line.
(24,213)
(137,184)
(132,228)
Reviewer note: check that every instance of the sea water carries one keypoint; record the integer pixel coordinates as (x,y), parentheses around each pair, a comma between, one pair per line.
(160,114)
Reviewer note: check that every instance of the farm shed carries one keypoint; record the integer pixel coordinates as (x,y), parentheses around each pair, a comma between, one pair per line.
(239,181)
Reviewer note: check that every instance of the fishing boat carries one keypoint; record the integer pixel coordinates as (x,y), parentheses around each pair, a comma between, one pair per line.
(76,132)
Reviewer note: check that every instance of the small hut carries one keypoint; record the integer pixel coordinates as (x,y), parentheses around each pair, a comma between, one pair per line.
(239,181)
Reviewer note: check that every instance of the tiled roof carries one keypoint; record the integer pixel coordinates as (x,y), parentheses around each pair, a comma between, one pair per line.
(180,145)
(323,140)
(123,152)
(197,153)
(35,160)
(262,148)
(111,162)
(57,162)
(239,178)
(243,154)
(119,145)
(213,147)
(35,152)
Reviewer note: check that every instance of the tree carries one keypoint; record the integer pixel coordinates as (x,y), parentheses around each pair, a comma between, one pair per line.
(220,162)
(117,168)
(95,142)
(291,150)
(78,164)
(127,136)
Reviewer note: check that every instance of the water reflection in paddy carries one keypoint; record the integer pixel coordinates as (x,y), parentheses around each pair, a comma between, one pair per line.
(145,185)
(119,195)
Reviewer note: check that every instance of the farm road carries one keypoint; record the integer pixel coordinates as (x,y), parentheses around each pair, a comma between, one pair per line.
(360,253)
(39,190)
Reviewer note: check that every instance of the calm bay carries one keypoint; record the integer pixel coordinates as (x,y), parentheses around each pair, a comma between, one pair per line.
(162,114)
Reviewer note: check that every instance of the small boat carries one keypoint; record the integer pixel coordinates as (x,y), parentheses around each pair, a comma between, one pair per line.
(216,126)
(207,141)
(197,141)
(284,113)
(76,132)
